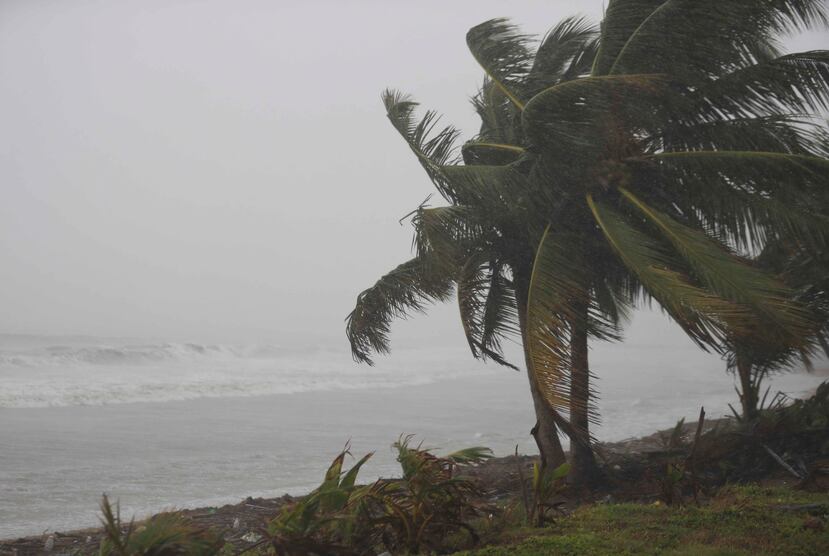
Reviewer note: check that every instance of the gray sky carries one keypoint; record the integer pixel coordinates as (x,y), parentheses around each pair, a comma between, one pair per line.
(217,169)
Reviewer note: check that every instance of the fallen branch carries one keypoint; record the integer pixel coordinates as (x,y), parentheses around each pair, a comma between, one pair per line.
(801,507)
(782,463)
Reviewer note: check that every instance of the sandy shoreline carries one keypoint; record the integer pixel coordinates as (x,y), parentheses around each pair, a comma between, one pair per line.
(56,462)
(499,475)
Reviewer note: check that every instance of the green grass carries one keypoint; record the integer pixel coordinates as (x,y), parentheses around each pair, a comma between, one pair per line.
(738,521)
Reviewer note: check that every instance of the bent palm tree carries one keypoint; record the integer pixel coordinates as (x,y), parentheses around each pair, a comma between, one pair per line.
(634,166)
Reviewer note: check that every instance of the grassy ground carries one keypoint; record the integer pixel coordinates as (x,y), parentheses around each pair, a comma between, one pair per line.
(749,520)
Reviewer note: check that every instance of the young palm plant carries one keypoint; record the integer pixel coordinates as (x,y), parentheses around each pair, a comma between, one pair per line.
(645,163)
(164,534)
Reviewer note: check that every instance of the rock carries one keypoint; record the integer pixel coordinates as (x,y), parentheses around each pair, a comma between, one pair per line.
(251,537)
(236,523)
(49,545)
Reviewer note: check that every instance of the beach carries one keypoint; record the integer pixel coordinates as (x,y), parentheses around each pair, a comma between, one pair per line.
(211,447)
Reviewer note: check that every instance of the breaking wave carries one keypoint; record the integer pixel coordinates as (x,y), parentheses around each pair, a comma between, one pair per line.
(99,374)
(105,355)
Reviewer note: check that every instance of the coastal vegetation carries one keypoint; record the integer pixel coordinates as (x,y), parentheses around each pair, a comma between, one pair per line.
(646,160)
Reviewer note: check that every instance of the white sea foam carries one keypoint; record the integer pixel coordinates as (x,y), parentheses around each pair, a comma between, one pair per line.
(89,373)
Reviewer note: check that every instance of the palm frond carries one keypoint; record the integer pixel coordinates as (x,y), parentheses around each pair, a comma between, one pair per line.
(582,63)
(467,456)
(448,235)
(487,307)
(776,133)
(731,278)
(704,316)
(504,55)
(404,290)
(797,83)
(491,154)
(556,288)
(564,53)
(472,291)
(699,38)
(434,147)
(621,19)
(783,175)
(744,196)
(588,116)
(499,188)
(497,114)
(613,303)
(500,316)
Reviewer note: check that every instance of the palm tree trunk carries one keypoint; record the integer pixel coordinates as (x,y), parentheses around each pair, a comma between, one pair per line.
(749,391)
(545,431)
(584,468)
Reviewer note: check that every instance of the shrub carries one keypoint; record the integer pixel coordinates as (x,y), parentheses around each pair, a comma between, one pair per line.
(415,513)
(163,535)
(547,484)
(322,522)
(428,504)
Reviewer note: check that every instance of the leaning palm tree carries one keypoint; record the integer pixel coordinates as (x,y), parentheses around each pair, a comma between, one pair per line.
(480,245)
(642,166)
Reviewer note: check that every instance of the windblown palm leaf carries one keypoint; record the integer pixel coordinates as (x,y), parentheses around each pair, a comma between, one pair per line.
(405,289)
(505,56)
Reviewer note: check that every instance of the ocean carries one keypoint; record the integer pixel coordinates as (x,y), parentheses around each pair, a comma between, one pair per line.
(160,425)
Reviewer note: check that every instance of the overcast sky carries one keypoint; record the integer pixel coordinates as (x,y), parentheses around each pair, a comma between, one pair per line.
(220,169)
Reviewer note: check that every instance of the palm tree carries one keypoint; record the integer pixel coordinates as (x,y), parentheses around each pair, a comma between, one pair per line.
(480,244)
(807,272)
(643,165)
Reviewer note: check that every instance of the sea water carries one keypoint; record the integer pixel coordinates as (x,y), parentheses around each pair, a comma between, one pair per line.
(161,425)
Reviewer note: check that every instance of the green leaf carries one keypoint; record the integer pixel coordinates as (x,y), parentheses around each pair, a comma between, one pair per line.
(493,154)
(350,477)
(796,83)
(557,283)
(732,278)
(406,289)
(699,38)
(584,119)
(434,147)
(704,316)
(504,55)
(565,52)
(561,471)
(474,454)
(472,291)
(745,196)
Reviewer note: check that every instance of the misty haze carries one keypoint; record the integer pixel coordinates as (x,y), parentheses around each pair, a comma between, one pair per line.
(620,229)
